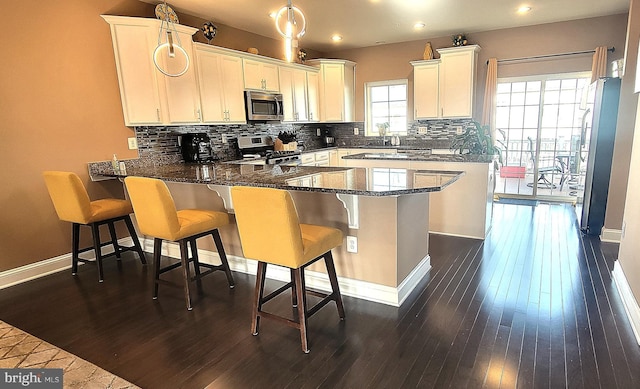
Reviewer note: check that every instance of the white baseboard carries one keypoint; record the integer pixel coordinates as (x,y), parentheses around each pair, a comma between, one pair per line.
(628,299)
(611,235)
(49,266)
(349,287)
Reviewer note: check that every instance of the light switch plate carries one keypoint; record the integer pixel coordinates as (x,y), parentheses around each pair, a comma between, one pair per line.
(318,132)
(422,130)
(352,244)
(356,130)
(459,130)
(133,143)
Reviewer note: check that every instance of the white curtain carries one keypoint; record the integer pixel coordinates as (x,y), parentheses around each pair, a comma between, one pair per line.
(599,64)
(489,104)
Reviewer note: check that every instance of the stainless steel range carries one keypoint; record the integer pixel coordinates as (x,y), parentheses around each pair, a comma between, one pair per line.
(258,149)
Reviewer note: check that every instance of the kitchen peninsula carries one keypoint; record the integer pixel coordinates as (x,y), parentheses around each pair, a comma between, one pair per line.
(383,212)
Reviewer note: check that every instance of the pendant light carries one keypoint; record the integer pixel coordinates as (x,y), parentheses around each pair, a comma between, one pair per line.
(291,24)
(169,44)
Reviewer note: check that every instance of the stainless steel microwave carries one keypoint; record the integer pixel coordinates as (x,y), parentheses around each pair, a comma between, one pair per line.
(265,106)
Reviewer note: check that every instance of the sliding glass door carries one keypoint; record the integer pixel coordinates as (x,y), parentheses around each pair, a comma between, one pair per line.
(541,118)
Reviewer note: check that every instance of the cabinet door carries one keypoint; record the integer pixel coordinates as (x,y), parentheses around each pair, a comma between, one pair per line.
(300,95)
(426,91)
(270,76)
(287,90)
(312,96)
(232,82)
(261,75)
(210,79)
(332,92)
(139,91)
(183,101)
(457,76)
(333,158)
(253,74)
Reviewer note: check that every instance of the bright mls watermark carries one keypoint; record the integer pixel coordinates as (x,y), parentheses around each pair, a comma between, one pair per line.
(31,378)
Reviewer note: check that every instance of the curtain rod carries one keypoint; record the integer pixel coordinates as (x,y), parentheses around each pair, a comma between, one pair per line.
(611,49)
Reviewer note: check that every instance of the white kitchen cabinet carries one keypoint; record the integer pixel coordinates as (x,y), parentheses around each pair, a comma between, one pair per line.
(333,158)
(308,159)
(426,89)
(293,86)
(336,87)
(458,80)
(312,96)
(220,82)
(261,75)
(445,88)
(147,95)
(322,158)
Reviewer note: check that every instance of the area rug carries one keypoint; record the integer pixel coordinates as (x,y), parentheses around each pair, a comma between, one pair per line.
(19,349)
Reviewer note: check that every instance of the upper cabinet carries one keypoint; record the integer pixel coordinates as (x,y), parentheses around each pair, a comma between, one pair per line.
(261,75)
(299,88)
(446,88)
(336,87)
(458,80)
(426,89)
(220,82)
(148,96)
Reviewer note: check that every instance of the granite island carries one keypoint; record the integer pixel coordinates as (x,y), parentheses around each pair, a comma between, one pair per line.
(383,212)
(464,210)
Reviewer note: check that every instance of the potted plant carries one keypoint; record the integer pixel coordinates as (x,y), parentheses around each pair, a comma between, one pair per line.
(478,140)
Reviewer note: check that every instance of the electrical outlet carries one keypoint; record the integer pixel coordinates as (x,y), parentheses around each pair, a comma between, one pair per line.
(224,138)
(422,130)
(352,244)
(356,131)
(459,130)
(133,143)
(318,132)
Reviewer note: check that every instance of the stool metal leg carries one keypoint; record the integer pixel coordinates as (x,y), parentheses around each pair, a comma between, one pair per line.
(302,307)
(95,231)
(157,251)
(75,247)
(333,279)
(186,275)
(196,263)
(294,297)
(134,238)
(114,239)
(223,257)
(257,299)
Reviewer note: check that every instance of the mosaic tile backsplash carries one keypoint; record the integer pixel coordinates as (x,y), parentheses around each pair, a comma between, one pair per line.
(163,141)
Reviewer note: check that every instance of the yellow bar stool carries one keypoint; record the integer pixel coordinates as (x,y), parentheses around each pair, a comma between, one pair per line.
(157,216)
(72,204)
(271,234)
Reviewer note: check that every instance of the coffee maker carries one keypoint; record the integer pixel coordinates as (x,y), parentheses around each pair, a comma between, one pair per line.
(327,139)
(196,148)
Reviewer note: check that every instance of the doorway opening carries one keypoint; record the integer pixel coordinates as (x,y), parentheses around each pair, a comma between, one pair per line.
(544,123)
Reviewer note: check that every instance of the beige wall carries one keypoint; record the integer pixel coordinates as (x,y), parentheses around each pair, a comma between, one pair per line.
(60,108)
(629,256)
(625,127)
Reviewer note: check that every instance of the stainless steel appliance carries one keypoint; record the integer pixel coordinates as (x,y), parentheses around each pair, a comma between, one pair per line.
(196,147)
(264,106)
(259,149)
(603,133)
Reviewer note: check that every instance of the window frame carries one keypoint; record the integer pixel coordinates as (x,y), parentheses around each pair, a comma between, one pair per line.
(369,130)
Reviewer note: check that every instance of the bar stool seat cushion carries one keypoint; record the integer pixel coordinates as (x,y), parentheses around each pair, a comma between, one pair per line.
(195,221)
(109,208)
(317,240)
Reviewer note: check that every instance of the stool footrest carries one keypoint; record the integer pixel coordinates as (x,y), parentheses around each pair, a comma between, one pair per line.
(277,292)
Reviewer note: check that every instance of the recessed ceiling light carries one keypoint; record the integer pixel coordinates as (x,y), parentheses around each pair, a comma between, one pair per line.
(419,26)
(524,9)
(336,38)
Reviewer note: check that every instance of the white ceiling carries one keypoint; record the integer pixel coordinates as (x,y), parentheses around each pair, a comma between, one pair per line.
(365,23)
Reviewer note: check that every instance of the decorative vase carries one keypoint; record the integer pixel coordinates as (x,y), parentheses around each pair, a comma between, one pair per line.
(428,51)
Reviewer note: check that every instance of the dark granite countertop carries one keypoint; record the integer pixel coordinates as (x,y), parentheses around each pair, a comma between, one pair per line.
(424,156)
(355,181)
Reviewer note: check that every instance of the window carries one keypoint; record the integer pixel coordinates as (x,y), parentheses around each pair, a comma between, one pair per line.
(386,102)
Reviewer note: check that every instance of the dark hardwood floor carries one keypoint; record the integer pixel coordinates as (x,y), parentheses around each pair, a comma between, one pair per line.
(533,306)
